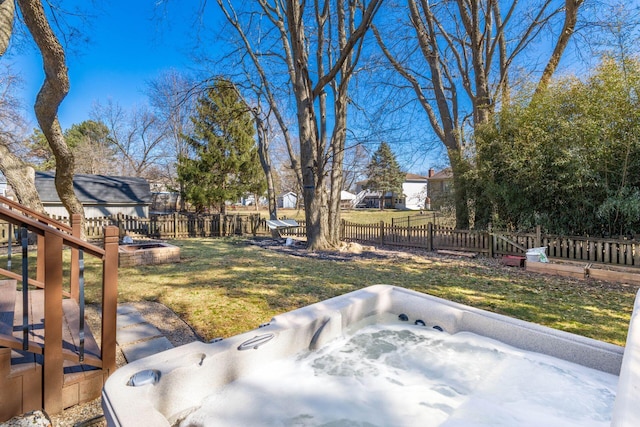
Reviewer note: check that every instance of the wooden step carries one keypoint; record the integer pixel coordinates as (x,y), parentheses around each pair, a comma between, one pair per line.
(70,329)
(23,380)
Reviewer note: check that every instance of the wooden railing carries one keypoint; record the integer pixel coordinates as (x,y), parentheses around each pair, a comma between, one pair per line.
(52,237)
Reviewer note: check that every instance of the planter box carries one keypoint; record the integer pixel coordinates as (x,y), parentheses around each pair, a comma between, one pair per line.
(567,270)
(613,274)
(513,261)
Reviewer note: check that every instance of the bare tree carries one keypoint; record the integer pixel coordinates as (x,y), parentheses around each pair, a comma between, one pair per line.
(12,130)
(171,97)
(52,93)
(262,83)
(319,45)
(138,136)
(462,53)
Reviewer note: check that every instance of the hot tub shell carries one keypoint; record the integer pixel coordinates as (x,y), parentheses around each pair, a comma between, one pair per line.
(181,378)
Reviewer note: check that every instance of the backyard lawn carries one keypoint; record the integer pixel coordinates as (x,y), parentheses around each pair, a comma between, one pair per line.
(225,286)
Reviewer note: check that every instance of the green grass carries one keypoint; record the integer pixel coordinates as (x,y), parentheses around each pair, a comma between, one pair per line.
(226,286)
(362,216)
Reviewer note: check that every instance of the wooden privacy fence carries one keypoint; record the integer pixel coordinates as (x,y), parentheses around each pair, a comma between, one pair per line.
(623,252)
(175,226)
(413,232)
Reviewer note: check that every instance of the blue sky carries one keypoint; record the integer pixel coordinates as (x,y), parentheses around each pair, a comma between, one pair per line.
(128,47)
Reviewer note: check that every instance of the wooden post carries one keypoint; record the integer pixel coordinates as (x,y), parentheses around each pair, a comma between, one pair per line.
(52,370)
(76,231)
(382,232)
(120,225)
(490,239)
(430,237)
(40,259)
(343,229)
(175,225)
(109,299)
(538,236)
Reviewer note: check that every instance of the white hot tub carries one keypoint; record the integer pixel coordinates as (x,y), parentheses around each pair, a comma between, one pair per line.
(188,385)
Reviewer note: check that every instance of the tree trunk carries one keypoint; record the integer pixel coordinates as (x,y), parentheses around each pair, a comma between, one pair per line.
(53,91)
(265,161)
(570,20)
(21,179)
(7,14)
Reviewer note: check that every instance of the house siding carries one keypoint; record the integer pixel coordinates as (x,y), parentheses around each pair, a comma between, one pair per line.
(58,211)
(415,194)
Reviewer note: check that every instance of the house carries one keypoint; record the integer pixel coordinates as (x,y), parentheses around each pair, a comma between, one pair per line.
(414,189)
(346,200)
(440,187)
(100,195)
(414,193)
(287,200)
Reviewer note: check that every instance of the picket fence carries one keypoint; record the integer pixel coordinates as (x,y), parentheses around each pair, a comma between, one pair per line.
(410,233)
(622,252)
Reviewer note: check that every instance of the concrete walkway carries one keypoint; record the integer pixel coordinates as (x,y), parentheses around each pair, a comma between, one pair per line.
(136,337)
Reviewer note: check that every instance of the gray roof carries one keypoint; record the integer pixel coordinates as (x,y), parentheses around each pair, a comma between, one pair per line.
(97,189)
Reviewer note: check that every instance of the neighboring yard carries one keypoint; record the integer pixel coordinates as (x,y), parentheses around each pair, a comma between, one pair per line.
(371,216)
(226,286)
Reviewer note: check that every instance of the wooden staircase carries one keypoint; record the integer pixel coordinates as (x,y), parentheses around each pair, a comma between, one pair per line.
(49,357)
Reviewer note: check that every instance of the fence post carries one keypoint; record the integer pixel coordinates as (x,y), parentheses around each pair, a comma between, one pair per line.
(538,236)
(175,225)
(430,236)
(53,375)
(120,225)
(109,299)
(382,232)
(343,228)
(490,240)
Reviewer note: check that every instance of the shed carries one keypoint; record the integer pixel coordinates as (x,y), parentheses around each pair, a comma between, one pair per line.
(287,200)
(100,195)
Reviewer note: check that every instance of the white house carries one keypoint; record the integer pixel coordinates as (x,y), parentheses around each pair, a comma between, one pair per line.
(414,189)
(287,200)
(414,193)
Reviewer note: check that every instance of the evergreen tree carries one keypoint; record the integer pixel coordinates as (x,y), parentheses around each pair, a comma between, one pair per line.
(384,174)
(224,164)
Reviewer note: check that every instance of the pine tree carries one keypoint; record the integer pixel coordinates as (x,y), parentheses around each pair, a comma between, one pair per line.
(384,174)
(224,164)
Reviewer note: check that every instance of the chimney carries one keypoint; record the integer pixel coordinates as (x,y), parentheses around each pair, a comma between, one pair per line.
(431,173)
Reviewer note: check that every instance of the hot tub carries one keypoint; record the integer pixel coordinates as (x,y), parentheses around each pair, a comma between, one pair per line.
(163,389)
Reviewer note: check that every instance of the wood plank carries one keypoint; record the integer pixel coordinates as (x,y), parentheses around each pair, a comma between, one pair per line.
(7,305)
(614,276)
(458,253)
(556,269)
